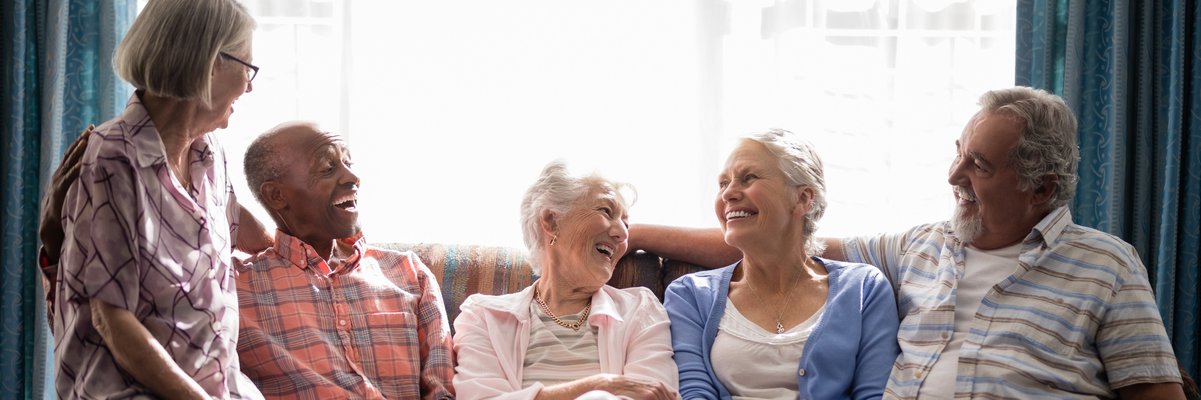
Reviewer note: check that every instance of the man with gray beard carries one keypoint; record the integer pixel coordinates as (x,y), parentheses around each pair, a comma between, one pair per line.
(1008,299)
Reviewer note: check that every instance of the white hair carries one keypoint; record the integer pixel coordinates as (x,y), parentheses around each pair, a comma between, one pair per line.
(557,190)
(1047,145)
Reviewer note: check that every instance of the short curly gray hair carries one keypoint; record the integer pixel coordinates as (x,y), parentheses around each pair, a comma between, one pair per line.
(800,164)
(557,190)
(1047,145)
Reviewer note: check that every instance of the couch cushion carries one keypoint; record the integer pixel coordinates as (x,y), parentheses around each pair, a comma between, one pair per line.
(464,270)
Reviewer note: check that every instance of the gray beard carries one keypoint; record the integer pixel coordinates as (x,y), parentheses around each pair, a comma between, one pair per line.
(967,227)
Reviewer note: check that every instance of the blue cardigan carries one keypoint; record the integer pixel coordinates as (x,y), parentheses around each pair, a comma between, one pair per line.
(849,354)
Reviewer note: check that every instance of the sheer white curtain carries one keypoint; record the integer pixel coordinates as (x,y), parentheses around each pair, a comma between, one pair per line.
(882,88)
(452,108)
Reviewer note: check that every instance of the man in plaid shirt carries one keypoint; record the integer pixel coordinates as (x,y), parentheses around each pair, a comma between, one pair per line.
(324,315)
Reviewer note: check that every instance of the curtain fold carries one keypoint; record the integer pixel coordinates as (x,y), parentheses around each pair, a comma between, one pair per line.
(59,79)
(1131,72)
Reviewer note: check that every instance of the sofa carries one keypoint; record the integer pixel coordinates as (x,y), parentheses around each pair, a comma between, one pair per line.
(463,270)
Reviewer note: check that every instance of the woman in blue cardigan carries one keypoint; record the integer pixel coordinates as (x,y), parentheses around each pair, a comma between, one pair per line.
(782,322)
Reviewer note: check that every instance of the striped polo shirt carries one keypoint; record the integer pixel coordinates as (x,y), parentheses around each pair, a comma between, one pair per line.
(1077,318)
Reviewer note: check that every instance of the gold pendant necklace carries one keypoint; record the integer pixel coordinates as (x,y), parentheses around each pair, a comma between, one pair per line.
(575,326)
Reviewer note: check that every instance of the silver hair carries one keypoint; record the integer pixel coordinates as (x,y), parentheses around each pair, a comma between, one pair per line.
(799,162)
(1047,145)
(557,190)
(170,48)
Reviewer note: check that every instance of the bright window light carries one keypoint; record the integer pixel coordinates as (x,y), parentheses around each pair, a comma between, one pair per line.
(451,108)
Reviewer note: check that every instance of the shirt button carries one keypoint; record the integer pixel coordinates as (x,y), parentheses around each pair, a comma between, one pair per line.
(945,335)
(219,375)
(212,273)
(217,326)
(801,372)
(918,374)
(342,322)
(198,213)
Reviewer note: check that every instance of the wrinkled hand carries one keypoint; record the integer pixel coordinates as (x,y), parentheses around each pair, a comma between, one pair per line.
(50,227)
(633,388)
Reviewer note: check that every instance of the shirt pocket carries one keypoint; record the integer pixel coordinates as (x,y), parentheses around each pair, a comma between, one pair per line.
(1046,338)
(396,352)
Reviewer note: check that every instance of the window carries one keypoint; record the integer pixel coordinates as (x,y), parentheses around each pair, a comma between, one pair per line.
(452,108)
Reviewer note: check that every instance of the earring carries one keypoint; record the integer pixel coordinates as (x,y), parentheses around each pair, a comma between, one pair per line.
(553,238)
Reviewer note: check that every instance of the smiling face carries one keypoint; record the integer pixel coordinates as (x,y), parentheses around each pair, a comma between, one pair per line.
(991,211)
(756,204)
(319,190)
(589,239)
(229,82)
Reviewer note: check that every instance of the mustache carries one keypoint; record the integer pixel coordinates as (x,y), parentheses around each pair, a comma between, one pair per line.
(965,192)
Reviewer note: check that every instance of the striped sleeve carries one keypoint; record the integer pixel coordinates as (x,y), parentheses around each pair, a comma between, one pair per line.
(1131,339)
(883,251)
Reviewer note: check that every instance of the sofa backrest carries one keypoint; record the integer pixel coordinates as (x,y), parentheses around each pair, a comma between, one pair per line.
(464,270)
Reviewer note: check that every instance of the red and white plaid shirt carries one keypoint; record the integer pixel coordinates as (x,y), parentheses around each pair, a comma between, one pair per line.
(373,327)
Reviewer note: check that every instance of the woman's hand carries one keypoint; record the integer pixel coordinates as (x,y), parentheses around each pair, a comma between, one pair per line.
(620,386)
(50,227)
(632,388)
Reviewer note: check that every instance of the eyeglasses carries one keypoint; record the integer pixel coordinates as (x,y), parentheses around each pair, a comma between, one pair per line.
(252,70)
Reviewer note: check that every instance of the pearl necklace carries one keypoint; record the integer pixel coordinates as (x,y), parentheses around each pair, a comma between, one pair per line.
(575,326)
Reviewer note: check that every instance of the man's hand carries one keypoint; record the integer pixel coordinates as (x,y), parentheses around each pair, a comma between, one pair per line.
(50,227)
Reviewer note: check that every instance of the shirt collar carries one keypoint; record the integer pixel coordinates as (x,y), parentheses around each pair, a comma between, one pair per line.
(602,305)
(1046,231)
(1051,226)
(302,255)
(148,143)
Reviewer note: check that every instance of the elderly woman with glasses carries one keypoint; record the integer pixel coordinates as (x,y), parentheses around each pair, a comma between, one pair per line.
(144,299)
(569,333)
(781,323)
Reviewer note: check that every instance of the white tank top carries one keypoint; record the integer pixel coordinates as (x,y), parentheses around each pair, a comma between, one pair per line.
(754,363)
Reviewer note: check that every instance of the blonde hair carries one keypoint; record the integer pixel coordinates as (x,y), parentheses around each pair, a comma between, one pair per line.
(170,49)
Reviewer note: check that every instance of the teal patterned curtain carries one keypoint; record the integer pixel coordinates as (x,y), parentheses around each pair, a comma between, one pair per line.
(58,78)
(1132,72)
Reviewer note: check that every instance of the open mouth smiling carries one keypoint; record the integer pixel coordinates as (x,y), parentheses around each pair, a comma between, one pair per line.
(348,202)
(738,214)
(605,250)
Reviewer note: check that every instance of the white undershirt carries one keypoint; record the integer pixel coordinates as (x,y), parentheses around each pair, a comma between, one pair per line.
(982,270)
(754,363)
